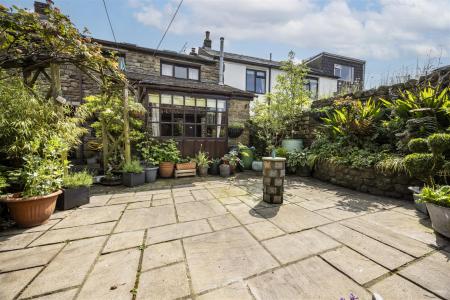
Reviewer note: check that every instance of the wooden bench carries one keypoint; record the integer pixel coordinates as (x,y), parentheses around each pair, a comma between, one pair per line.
(184,173)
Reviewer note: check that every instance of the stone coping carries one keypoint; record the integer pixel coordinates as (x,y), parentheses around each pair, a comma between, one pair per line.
(274,158)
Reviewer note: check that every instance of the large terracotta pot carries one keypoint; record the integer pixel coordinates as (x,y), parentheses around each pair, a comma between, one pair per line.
(166,169)
(31,211)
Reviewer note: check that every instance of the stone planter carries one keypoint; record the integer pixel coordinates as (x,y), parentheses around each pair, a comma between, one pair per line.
(257,165)
(203,171)
(273,179)
(224,170)
(166,169)
(133,179)
(151,174)
(73,197)
(420,206)
(31,211)
(440,218)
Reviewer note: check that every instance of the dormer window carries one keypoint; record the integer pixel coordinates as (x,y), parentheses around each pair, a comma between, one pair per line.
(345,73)
(180,71)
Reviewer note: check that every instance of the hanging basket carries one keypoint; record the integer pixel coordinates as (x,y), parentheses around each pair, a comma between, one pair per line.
(234,132)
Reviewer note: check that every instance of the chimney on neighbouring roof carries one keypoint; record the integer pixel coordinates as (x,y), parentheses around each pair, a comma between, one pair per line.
(221,61)
(207,42)
(193,51)
(40,7)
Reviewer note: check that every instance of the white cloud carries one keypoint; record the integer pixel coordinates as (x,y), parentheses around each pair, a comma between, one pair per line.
(382,29)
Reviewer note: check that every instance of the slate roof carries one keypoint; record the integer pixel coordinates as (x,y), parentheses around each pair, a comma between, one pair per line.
(335,56)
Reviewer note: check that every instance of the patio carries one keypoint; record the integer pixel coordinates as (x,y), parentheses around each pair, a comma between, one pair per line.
(214,239)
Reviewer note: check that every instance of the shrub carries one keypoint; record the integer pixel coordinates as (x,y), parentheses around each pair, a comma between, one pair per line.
(439,195)
(202,159)
(418,145)
(281,152)
(439,143)
(77,180)
(391,165)
(133,167)
(3,184)
(422,165)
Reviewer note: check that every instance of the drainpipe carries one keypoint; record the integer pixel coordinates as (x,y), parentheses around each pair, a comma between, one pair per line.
(270,75)
(221,62)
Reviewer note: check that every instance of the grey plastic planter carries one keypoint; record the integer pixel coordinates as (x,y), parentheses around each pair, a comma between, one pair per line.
(440,218)
(151,174)
(257,165)
(420,206)
(73,197)
(133,179)
(224,170)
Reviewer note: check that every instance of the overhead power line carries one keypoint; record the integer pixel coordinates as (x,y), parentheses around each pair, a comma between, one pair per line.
(168,27)
(110,24)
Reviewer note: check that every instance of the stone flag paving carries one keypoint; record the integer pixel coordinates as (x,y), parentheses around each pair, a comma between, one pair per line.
(215,239)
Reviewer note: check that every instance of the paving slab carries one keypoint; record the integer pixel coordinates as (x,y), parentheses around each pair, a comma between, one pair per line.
(236,291)
(113,276)
(121,195)
(69,294)
(141,204)
(92,215)
(40,228)
(233,254)
(244,214)
(12,283)
(229,200)
(164,201)
(169,282)
(316,203)
(183,198)
(177,231)
(254,202)
(166,195)
(61,214)
(292,247)
(264,230)
(396,287)
(311,278)
(202,194)
(17,241)
(98,200)
(196,210)
(292,218)
(382,254)
(410,209)
(162,254)
(338,213)
(27,258)
(74,233)
(411,246)
(124,240)
(432,272)
(228,191)
(136,219)
(354,265)
(129,199)
(223,222)
(68,268)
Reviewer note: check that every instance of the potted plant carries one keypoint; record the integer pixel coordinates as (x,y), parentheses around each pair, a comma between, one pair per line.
(167,154)
(42,177)
(75,190)
(232,159)
(150,158)
(257,164)
(133,174)
(214,166)
(202,161)
(224,170)
(298,163)
(246,155)
(186,164)
(437,200)
(235,130)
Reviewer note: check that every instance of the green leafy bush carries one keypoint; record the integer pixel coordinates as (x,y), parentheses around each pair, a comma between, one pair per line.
(438,195)
(281,152)
(422,166)
(3,184)
(77,179)
(439,142)
(133,167)
(418,145)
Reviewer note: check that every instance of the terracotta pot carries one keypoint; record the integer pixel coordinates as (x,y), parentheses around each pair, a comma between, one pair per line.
(31,211)
(166,169)
(186,166)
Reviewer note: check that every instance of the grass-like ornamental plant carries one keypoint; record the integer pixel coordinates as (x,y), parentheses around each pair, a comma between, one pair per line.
(439,142)
(77,179)
(418,145)
(391,165)
(202,159)
(133,167)
(438,195)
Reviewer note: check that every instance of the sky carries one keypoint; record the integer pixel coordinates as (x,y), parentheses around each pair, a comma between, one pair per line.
(392,36)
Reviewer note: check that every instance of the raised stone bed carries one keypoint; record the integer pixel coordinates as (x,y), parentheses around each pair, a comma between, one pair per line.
(366,180)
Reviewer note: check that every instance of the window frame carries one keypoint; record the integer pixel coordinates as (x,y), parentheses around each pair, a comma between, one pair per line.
(339,67)
(308,84)
(255,72)
(173,65)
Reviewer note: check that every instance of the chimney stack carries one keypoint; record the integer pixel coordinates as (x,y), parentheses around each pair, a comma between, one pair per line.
(207,42)
(193,51)
(221,62)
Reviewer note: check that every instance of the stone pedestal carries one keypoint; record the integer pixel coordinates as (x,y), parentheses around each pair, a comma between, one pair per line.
(273,179)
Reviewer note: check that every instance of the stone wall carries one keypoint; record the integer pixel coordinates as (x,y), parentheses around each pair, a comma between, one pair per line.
(239,112)
(366,180)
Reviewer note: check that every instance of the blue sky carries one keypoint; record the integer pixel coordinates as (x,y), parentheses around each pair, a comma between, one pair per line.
(391,35)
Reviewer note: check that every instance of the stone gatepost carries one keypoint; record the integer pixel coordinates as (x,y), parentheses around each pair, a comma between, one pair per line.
(273,179)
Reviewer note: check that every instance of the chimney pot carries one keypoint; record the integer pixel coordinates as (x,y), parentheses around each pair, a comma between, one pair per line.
(193,51)
(207,41)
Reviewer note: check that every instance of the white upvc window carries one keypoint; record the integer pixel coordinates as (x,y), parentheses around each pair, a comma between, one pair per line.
(345,73)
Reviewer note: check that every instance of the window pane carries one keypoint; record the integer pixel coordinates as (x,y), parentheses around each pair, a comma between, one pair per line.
(193,73)
(177,100)
(347,73)
(166,99)
(122,65)
(211,118)
(166,115)
(189,130)
(260,85)
(189,101)
(201,102)
(178,129)
(211,131)
(211,103)
(166,129)
(221,131)
(155,129)
(153,98)
(178,116)
(189,116)
(221,105)
(250,81)
(180,72)
(261,74)
(166,70)
(200,117)
(200,130)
